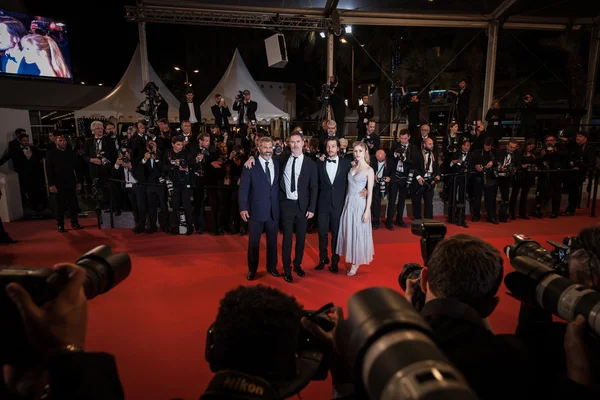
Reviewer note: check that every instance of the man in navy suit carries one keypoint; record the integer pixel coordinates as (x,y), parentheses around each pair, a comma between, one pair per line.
(333,182)
(259,206)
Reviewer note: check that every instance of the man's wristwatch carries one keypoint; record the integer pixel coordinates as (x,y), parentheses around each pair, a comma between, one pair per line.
(70,348)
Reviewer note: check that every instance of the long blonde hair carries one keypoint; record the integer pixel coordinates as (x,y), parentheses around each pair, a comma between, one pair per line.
(365,148)
(47,44)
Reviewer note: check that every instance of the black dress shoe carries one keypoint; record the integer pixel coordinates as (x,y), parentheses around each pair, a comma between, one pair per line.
(288,277)
(567,214)
(401,224)
(274,272)
(62,229)
(5,239)
(299,271)
(389,226)
(150,231)
(76,226)
(492,221)
(476,218)
(525,217)
(334,269)
(251,275)
(322,265)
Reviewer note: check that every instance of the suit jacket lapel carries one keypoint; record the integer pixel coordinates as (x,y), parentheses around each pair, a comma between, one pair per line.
(339,168)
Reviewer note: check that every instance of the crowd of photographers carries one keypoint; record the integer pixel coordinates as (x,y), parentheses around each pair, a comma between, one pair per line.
(434,342)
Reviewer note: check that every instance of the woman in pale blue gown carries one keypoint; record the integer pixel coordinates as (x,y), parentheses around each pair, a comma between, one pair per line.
(355,239)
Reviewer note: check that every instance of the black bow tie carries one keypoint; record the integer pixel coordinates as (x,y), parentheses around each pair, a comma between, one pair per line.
(333,161)
(464,154)
(24,147)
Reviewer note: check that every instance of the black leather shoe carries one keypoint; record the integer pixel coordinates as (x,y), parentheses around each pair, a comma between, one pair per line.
(334,269)
(322,265)
(150,231)
(288,277)
(401,224)
(62,229)
(389,226)
(476,218)
(76,226)
(492,221)
(251,275)
(274,272)
(525,217)
(299,271)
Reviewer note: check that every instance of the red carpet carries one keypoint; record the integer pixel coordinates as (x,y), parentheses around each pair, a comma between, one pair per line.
(155,322)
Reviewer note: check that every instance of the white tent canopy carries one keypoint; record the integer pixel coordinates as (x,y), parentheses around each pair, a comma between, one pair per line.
(126,96)
(237,77)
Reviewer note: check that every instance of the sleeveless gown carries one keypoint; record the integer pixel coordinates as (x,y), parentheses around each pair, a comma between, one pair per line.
(355,238)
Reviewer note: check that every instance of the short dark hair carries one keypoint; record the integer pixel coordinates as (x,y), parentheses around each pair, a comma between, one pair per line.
(297,133)
(18,131)
(404,132)
(552,135)
(256,331)
(109,123)
(332,139)
(177,138)
(488,141)
(185,121)
(203,135)
(467,269)
(164,120)
(23,135)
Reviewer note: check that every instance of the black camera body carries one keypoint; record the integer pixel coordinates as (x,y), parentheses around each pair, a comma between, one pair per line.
(555,260)
(150,90)
(104,270)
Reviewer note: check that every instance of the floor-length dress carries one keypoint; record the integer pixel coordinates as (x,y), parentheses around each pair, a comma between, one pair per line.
(355,238)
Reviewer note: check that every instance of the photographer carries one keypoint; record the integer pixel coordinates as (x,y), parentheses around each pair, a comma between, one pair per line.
(478,135)
(400,166)
(413,109)
(100,153)
(463,100)
(583,158)
(202,156)
(509,160)
(528,108)
(337,103)
(381,168)
(427,172)
(251,138)
(125,170)
(485,183)
(365,114)
(462,165)
(164,134)
(58,331)
(494,118)
(178,163)
(156,191)
(552,158)
(221,112)
(246,109)
(220,197)
(372,139)
(550,342)
(461,283)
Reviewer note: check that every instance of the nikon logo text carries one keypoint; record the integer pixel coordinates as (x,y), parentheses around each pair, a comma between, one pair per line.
(242,385)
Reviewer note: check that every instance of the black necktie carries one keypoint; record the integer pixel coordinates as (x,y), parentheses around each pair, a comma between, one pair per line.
(333,161)
(428,163)
(293,187)
(268,171)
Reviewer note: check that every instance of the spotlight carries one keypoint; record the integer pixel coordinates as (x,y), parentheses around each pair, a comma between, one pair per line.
(343,40)
(177,68)
(348,28)
(99,84)
(83,83)
(322,35)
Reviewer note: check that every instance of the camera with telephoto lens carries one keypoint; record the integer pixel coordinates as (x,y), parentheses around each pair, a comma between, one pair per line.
(391,351)
(101,155)
(150,90)
(240,96)
(311,364)
(278,149)
(182,162)
(400,153)
(410,178)
(431,232)
(104,269)
(325,93)
(369,141)
(382,186)
(124,158)
(555,259)
(535,282)
(151,147)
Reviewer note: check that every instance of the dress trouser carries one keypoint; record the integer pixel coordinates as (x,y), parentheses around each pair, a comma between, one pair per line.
(427,198)
(256,229)
(66,198)
(292,217)
(182,197)
(329,220)
(397,190)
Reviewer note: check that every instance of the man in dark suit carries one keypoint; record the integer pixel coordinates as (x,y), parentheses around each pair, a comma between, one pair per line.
(400,165)
(221,112)
(189,110)
(463,99)
(509,160)
(156,191)
(427,174)
(382,171)
(299,188)
(259,206)
(62,182)
(365,114)
(132,174)
(246,109)
(333,182)
(462,164)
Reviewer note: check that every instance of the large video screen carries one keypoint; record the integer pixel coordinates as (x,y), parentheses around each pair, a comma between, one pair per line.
(33,46)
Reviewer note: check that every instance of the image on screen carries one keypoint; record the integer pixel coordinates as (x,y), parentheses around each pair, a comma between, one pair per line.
(33,46)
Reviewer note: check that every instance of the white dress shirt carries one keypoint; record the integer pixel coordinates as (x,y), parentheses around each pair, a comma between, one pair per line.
(287,176)
(380,168)
(271,168)
(129,179)
(428,171)
(193,118)
(365,120)
(331,167)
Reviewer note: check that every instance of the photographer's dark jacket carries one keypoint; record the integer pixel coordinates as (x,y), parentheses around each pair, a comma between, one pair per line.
(466,162)
(91,150)
(154,169)
(364,112)
(184,111)
(495,366)
(401,157)
(583,157)
(221,115)
(137,172)
(419,165)
(515,159)
(60,168)
(248,110)
(555,159)
(180,178)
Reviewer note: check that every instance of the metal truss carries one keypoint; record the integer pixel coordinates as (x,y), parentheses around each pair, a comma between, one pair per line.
(240,19)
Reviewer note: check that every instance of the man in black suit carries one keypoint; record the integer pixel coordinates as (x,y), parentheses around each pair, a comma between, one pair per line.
(365,114)
(461,164)
(132,174)
(337,101)
(12,147)
(100,153)
(333,182)
(246,109)
(427,175)
(583,157)
(221,112)
(299,188)
(461,108)
(156,191)
(62,182)
(382,171)
(259,206)
(400,165)
(189,110)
